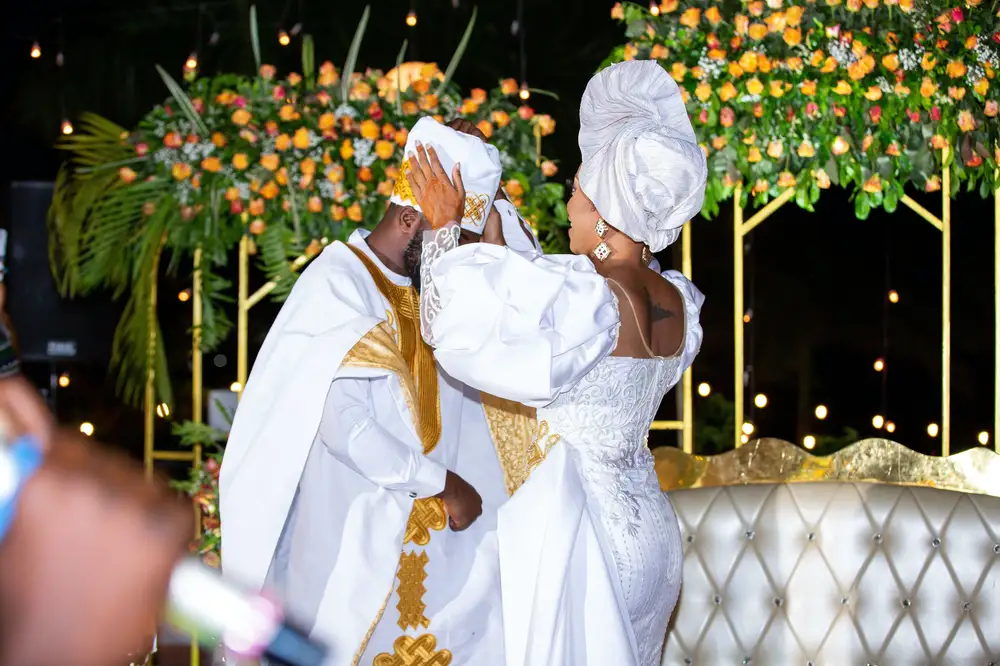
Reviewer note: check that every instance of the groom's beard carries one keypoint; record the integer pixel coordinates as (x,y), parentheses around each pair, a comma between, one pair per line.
(411,260)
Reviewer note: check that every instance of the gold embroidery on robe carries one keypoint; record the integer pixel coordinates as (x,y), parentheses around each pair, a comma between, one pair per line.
(513,427)
(411,575)
(419,651)
(371,631)
(541,446)
(427,514)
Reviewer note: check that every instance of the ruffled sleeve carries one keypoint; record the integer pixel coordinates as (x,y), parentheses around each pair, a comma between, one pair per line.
(521,328)
(693,334)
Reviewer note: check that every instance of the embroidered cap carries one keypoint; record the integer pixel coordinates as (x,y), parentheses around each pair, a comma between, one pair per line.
(480,165)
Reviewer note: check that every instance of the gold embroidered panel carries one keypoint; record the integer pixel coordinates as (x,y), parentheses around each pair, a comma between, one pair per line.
(540,447)
(427,514)
(513,428)
(871,460)
(419,651)
(412,574)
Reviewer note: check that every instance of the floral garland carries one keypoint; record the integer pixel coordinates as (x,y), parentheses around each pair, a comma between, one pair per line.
(806,94)
(293,163)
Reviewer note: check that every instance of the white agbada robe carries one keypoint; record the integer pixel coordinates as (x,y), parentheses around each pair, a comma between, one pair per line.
(323,467)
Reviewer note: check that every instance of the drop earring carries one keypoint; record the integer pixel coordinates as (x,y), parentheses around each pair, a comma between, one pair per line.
(647,256)
(603,250)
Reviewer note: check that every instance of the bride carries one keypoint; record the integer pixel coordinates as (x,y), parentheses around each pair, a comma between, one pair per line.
(590,549)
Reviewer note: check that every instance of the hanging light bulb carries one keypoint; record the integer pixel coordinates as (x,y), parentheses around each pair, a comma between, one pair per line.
(821,412)
(704,389)
(744,438)
(67,127)
(87,428)
(283,38)
(60,59)
(879,365)
(525,93)
(654,8)
(36,51)
(890,426)
(184,296)
(747,316)
(192,62)
(878,421)
(893,296)
(64,380)
(760,400)
(235,387)
(163,410)
(932,429)
(747,428)
(809,442)
(984,438)
(411,18)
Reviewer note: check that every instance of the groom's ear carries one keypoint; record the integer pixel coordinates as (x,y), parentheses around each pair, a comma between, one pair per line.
(410,220)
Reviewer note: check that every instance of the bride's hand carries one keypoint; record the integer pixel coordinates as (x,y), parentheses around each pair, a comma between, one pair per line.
(442,199)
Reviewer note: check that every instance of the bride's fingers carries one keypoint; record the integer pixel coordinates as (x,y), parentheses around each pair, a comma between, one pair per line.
(435,164)
(424,162)
(456,177)
(416,176)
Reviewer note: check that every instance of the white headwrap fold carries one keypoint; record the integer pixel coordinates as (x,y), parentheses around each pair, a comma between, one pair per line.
(642,166)
(480,169)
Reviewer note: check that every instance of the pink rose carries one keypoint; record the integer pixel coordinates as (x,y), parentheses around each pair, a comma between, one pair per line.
(703,116)
(957,15)
(875,113)
(241,101)
(914,116)
(935,113)
(141,149)
(278,93)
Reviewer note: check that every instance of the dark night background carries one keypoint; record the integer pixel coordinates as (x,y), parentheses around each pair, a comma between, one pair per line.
(816,283)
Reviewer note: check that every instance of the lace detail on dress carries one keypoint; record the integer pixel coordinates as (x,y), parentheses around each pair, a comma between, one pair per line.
(435,244)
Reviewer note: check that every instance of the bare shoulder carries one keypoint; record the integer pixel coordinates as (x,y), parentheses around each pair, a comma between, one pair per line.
(657,305)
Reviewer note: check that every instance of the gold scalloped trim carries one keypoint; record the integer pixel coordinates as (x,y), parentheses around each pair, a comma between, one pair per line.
(870,460)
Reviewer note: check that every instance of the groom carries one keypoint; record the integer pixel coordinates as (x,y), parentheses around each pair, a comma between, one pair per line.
(351,454)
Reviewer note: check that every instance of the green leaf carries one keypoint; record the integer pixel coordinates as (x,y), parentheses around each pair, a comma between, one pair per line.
(890,200)
(308,61)
(255,37)
(187,108)
(862,206)
(399,77)
(352,54)
(459,52)
(636,28)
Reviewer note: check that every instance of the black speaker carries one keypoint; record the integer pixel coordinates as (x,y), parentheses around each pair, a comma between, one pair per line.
(48,328)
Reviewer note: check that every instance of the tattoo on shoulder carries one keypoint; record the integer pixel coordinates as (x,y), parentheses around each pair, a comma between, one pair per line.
(656,313)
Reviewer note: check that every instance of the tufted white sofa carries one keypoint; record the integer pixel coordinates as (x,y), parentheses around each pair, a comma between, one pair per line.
(796,560)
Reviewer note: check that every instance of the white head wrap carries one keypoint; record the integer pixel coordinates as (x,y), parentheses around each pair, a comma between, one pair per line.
(642,166)
(480,166)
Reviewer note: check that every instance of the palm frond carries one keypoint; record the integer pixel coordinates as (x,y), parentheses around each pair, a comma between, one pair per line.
(255,36)
(459,52)
(352,54)
(215,323)
(183,101)
(274,249)
(190,433)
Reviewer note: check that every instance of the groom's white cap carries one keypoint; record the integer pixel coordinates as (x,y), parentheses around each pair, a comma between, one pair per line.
(480,167)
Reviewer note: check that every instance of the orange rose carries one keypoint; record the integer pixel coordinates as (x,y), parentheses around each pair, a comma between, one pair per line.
(754,86)
(241,161)
(792,36)
(840,146)
(713,16)
(703,92)
(547,123)
(283,142)
(485,127)
(478,95)
(241,117)
(758,31)
(928,62)
(822,179)
(365,174)
(468,108)
(777,88)
(288,113)
(982,86)
(549,168)
(211,164)
(270,190)
(270,161)
(354,212)
(181,170)
(956,69)
(775,149)
(806,150)
(933,184)
(786,179)
(401,136)
(346,150)
(719,142)
(514,187)
(384,188)
(127,175)
(928,87)
(873,94)
(410,108)
(327,121)
(428,102)
(754,155)
(890,62)
(793,16)
(678,71)
(301,138)
(257,227)
(219,139)
(991,110)
(659,52)
(956,92)
(690,17)
(735,70)
(337,213)
(843,88)
(727,92)
(335,173)
(938,142)
(307,166)
(809,88)
(370,130)
(966,122)
(873,184)
(315,205)
(500,118)
(509,87)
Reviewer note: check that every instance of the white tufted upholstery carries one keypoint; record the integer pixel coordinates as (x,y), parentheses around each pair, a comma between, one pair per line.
(837,574)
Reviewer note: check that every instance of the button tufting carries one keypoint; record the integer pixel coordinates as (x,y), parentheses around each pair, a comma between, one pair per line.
(996,549)
(750,534)
(812,536)
(687,660)
(690,538)
(878,538)
(936,542)
(779,602)
(747,660)
(717,600)
(967,606)
(844,601)
(906,603)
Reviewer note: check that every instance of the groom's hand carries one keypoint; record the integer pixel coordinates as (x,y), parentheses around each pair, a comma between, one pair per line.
(463,503)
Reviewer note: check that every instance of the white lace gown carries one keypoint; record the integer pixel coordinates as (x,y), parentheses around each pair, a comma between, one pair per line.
(590,549)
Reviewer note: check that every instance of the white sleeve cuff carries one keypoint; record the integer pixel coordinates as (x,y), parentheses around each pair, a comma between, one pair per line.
(429,479)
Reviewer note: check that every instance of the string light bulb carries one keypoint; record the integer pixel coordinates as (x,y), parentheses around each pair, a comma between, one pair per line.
(744,438)
(411,18)
(654,8)
(87,428)
(163,410)
(747,317)
(893,296)
(932,429)
(878,421)
(525,93)
(747,428)
(821,412)
(283,38)
(184,296)
(879,365)
(760,400)
(64,380)
(235,387)
(890,426)
(191,63)
(36,51)
(67,127)
(704,389)
(809,442)
(984,438)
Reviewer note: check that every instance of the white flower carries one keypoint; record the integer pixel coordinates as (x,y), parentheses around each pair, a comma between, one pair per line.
(363,155)
(345,110)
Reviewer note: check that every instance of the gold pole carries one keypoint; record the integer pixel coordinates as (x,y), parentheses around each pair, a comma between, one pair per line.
(768,210)
(687,437)
(149,406)
(738,313)
(946,306)
(996,313)
(922,212)
(243,310)
(538,145)
(196,398)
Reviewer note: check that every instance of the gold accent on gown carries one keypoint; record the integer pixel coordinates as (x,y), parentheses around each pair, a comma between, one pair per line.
(420,651)
(411,575)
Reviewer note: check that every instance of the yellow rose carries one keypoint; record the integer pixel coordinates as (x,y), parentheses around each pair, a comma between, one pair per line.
(806,150)
(181,170)
(703,92)
(428,102)
(678,70)
(956,92)
(337,213)
(748,61)
(713,16)
(283,142)
(843,88)
(873,184)
(793,16)
(840,146)
(735,70)
(410,108)
(327,121)
(792,36)
(956,69)
(873,94)
(370,130)
(384,149)
(754,155)
(219,139)
(719,142)
(485,127)
(777,88)
(754,86)
(786,179)
(758,31)
(775,150)
(728,91)
(346,149)
(822,179)
(211,164)
(659,52)
(966,122)
(335,173)
(928,62)
(270,161)
(241,161)
(127,175)
(288,113)
(808,88)
(690,17)
(928,87)
(982,86)
(307,166)
(500,118)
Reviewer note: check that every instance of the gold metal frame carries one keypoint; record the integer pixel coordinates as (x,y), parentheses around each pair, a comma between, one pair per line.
(942,224)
